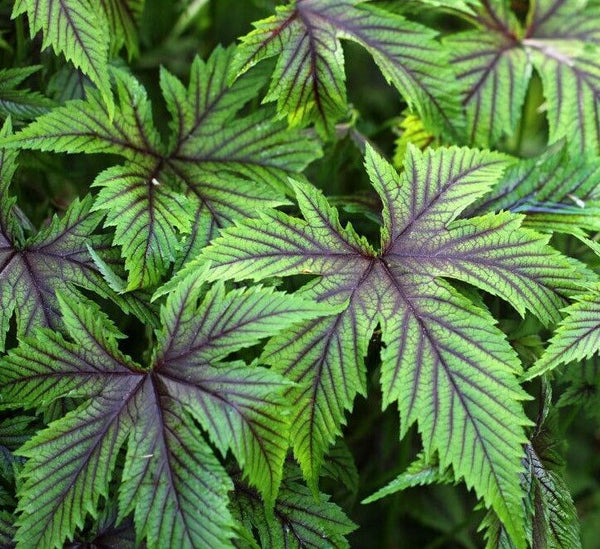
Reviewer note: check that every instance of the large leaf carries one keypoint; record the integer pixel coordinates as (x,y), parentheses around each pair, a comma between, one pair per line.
(309,82)
(75,28)
(494,63)
(172,481)
(436,340)
(215,167)
(58,256)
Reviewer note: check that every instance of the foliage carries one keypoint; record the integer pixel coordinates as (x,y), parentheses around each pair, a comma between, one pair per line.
(228,320)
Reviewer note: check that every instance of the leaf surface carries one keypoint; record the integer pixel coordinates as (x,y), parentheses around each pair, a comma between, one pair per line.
(309,81)
(435,339)
(494,63)
(215,167)
(172,482)
(75,29)
(57,256)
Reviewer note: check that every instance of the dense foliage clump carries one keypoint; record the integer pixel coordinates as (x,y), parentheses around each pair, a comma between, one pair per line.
(310,274)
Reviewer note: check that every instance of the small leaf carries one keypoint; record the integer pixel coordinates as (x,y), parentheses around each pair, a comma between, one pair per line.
(297,520)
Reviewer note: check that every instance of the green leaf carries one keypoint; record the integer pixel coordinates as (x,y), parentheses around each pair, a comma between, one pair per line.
(494,64)
(123,17)
(420,472)
(172,481)
(563,38)
(551,515)
(296,521)
(7,529)
(75,28)
(32,268)
(412,131)
(557,190)
(215,168)
(144,212)
(576,338)
(435,339)
(309,82)
(555,522)
(494,71)
(21,103)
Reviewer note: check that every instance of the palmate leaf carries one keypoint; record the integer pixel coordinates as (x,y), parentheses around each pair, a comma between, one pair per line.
(494,63)
(309,82)
(215,168)
(296,521)
(75,28)
(411,130)
(436,340)
(172,481)
(21,103)
(32,268)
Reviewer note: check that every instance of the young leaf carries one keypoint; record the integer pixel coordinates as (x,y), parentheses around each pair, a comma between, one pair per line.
(309,82)
(420,472)
(172,481)
(576,338)
(436,339)
(411,130)
(215,168)
(296,521)
(75,28)
(494,63)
